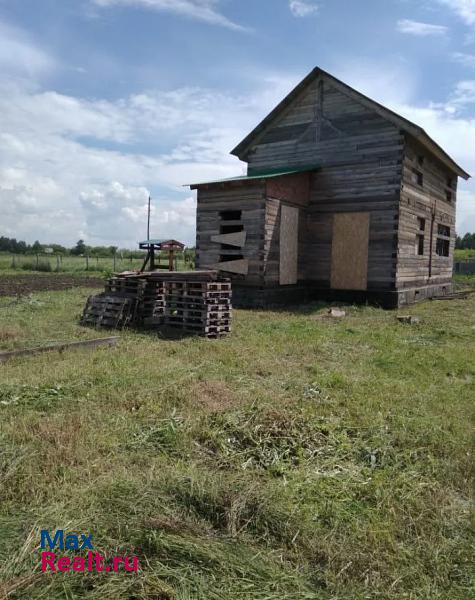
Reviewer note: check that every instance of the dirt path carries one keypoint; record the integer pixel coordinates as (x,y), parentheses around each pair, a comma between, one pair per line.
(26,284)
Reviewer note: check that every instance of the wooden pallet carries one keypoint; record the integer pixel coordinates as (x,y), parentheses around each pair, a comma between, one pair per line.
(196,302)
(198,314)
(110,311)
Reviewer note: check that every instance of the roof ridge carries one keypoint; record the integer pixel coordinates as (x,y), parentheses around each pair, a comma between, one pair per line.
(411,128)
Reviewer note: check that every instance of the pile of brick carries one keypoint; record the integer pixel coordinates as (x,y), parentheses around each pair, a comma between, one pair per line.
(196,302)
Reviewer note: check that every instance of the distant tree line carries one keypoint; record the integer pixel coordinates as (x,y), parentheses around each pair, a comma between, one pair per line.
(80,249)
(467,242)
(14,246)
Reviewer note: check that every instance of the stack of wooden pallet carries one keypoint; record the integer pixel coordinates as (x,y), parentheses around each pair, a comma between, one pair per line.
(200,307)
(152,302)
(197,302)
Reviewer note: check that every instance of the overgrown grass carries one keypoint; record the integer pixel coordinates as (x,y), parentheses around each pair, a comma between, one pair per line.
(300,458)
(464,254)
(79,264)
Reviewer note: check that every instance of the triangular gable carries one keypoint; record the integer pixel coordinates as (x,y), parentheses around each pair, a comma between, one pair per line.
(298,94)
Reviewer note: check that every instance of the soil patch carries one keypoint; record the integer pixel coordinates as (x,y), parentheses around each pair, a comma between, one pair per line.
(214,396)
(23,285)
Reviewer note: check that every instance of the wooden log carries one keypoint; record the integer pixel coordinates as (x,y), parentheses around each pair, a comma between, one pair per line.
(95,343)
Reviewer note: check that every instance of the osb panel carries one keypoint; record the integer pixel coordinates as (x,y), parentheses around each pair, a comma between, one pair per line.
(290,188)
(240,266)
(289,245)
(237,239)
(350,251)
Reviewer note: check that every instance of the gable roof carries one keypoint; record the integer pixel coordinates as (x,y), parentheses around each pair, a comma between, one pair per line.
(408,126)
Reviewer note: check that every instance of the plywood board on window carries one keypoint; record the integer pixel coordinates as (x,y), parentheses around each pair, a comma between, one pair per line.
(237,239)
(350,251)
(240,266)
(289,245)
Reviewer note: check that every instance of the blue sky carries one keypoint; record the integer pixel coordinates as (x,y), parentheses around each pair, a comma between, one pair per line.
(105,101)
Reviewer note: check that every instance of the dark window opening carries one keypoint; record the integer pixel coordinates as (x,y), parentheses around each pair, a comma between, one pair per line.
(420,160)
(230,215)
(417,177)
(450,182)
(442,247)
(230,257)
(448,195)
(443,230)
(420,245)
(421,223)
(231,228)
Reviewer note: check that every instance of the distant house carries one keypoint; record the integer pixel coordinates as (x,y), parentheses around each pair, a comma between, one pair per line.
(343,198)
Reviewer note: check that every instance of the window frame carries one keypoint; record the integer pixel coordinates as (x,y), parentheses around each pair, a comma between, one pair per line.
(443,240)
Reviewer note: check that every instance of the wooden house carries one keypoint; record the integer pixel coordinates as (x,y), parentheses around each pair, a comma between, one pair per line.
(343,198)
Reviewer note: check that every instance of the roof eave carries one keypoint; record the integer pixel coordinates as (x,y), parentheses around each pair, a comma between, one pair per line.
(440,153)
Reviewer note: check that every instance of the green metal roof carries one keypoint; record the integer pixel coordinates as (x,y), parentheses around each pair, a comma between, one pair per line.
(261,175)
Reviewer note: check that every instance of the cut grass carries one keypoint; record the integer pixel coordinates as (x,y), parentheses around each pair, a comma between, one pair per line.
(300,458)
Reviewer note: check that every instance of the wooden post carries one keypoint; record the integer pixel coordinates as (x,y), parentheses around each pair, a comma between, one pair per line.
(57,262)
(37,260)
(87,262)
(113,268)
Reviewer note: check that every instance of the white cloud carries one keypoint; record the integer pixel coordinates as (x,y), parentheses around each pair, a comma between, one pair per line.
(465,9)
(467,60)
(72,167)
(19,55)
(302,8)
(462,96)
(124,209)
(420,29)
(201,10)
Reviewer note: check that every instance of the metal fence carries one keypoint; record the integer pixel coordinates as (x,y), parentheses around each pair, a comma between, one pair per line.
(58,263)
(465,267)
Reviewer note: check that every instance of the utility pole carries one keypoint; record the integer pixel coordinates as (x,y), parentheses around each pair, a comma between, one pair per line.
(148,218)
(151,248)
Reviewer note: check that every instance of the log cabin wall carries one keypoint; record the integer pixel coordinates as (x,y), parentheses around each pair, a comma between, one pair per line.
(359,154)
(227,208)
(426,219)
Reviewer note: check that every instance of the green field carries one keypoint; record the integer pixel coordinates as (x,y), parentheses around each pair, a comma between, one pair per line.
(464,254)
(76,264)
(301,458)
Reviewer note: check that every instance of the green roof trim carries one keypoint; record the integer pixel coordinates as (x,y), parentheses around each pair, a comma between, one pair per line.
(261,175)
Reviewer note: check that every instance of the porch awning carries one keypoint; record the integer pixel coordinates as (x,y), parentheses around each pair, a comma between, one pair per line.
(257,175)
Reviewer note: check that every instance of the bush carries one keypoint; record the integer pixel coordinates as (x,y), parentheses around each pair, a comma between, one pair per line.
(41,266)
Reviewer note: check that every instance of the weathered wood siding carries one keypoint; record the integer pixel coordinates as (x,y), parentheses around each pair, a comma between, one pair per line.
(292,190)
(359,155)
(248,198)
(428,201)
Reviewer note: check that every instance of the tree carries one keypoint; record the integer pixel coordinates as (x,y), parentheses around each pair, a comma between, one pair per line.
(79,249)
(36,248)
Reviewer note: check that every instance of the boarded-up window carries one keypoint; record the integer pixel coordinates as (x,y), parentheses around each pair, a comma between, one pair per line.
(289,245)
(350,251)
